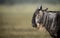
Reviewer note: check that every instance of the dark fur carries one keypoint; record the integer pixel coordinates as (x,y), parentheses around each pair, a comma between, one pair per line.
(48,22)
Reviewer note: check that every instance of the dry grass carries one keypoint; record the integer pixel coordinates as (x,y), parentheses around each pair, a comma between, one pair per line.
(15,22)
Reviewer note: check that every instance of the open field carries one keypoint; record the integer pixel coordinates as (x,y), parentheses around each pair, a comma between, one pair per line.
(15,21)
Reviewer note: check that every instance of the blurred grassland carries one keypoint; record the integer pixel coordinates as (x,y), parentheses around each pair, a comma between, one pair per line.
(15,21)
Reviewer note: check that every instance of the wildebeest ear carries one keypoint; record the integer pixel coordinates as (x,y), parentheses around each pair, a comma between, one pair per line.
(46,9)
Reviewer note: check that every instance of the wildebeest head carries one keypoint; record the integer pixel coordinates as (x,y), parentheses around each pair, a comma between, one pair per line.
(37,17)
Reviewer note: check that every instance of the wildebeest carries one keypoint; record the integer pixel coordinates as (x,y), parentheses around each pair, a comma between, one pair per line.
(49,19)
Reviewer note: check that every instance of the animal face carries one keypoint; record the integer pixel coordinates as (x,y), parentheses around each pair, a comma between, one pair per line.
(37,17)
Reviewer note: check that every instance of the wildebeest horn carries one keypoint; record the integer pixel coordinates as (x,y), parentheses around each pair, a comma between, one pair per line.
(40,7)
